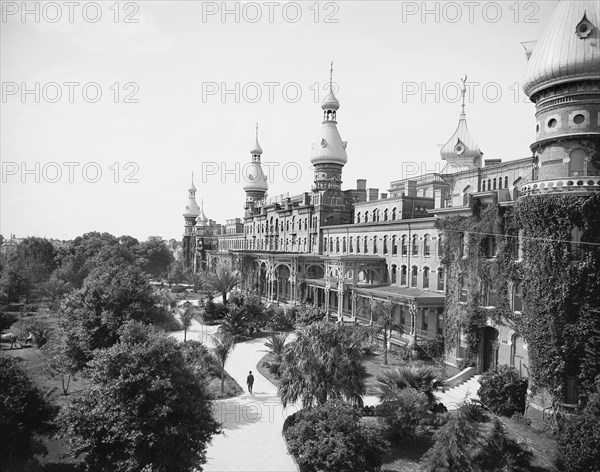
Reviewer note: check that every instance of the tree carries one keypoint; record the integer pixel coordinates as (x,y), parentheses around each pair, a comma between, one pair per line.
(54,288)
(175,274)
(331,437)
(35,258)
(407,415)
(235,322)
(223,280)
(382,315)
(147,409)
(187,315)
(110,296)
(323,362)
(195,279)
(221,350)
(155,257)
(23,414)
(58,361)
(452,448)
(13,285)
(503,390)
(500,453)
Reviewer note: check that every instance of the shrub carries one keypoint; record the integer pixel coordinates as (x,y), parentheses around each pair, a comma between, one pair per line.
(331,437)
(178,289)
(499,453)
(407,416)
(503,391)
(214,312)
(579,438)
(472,412)
(278,319)
(308,314)
(431,348)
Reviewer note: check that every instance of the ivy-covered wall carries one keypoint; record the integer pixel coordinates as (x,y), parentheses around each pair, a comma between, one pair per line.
(560,319)
(482,272)
(561,284)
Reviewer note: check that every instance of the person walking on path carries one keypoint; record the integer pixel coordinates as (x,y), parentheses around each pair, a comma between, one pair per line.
(250,382)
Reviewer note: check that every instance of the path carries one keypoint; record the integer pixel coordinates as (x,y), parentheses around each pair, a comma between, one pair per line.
(252,424)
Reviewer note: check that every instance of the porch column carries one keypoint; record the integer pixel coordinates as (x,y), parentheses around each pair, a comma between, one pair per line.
(354,296)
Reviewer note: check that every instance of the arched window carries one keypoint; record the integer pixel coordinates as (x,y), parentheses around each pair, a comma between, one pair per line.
(385,215)
(440,246)
(305,223)
(426,246)
(394,246)
(287,225)
(385,248)
(415,245)
(576,234)
(293,223)
(499,183)
(350,245)
(337,244)
(425,277)
(366,216)
(358,216)
(461,245)
(403,275)
(366,250)
(483,185)
(506,182)
(394,213)
(358,245)
(374,244)
(394,273)
(330,244)
(325,244)
(344,245)
(375,215)
(577,162)
(413,276)
(404,245)
(441,286)
(489,185)
(494,183)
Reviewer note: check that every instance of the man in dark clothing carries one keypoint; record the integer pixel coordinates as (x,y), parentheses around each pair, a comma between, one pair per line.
(250,381)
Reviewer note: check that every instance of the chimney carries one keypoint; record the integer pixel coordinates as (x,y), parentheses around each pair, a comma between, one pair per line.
(383,195)
(361,184)
(372,194)
(410,188)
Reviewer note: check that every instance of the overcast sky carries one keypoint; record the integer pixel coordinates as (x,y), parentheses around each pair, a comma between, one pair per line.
(190,84)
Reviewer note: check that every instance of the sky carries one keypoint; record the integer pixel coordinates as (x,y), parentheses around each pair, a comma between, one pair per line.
(108,107)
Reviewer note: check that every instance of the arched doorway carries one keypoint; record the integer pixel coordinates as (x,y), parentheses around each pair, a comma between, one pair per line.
(489,344)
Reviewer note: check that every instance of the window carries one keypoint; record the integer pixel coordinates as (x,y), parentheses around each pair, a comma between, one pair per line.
(576,243)
(331,245)
(491,298)
(325,244)
(517,298)
(393,213)
(424,324)
(413,276)
(426,246)
(404,246)
(461,246)
(394,246)
(385,248)
(415,245)
(506,182)
(344,245)
(350,245)
(440,246)
(441,286)
(358,245)
(490,247)
(287,225)
(385,215)
(337,244)
(464,291)
(426,277)
(366,250)
(358,217)
(394,273)
(293,223)
(499,182)
(483,185)
(366,216)
(374,244)
(375,215)
(577,162)
(403,275)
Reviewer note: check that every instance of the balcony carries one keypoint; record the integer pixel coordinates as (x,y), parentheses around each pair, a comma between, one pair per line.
(582,184)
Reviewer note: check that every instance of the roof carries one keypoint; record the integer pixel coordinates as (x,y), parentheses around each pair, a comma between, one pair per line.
(568,48)
(329,147)
(255,178)
(461,145)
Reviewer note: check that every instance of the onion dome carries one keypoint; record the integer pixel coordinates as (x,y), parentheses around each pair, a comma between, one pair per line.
(202,219)
(255,178)
(568,49)
(191,209)
(461,147)
(329,147)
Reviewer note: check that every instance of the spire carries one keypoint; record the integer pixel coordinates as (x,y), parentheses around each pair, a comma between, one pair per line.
(191,209)
(256,150)
(330,104)
(202,217)
(461,149)
(192,188)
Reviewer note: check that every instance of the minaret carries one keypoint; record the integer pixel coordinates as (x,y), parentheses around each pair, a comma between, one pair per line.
(562,78)
(461,152)
(328,154)
(190,214)
(256,182)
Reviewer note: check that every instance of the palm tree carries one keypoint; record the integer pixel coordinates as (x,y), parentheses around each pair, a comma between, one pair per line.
(420,378)
(186,313)
(382,313)
(323,362)
(221,351)
(235,322)
(224,280)
(54,288)
(195,279)
(276,344)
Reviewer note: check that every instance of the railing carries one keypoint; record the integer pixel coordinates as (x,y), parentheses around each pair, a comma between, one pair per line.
(561,185)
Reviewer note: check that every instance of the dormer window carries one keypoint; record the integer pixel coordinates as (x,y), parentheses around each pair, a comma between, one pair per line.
(584,28)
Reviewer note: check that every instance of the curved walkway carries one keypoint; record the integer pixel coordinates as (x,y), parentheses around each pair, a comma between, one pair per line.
(252,424)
